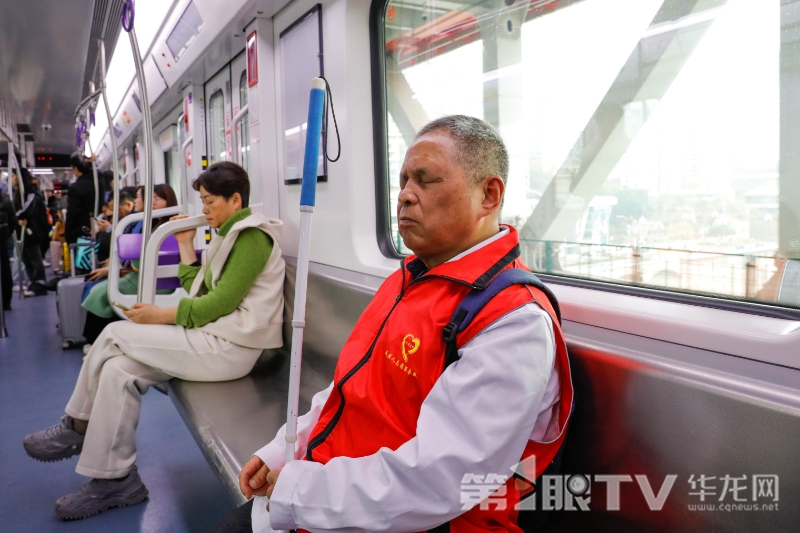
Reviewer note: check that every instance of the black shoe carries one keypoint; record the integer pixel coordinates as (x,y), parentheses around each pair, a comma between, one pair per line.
(101,494)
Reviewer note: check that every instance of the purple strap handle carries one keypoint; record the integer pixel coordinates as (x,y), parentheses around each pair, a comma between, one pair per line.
(128,14)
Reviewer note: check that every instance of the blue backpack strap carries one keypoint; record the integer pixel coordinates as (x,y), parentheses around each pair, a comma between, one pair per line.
(476,299)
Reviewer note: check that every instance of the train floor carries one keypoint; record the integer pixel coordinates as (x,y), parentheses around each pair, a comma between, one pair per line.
(36,380)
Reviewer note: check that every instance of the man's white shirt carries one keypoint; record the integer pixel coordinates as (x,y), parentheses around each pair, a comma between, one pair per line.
(476,420)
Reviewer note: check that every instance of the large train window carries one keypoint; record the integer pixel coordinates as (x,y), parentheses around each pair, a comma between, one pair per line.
(216,120)
(243,127)
(652,143)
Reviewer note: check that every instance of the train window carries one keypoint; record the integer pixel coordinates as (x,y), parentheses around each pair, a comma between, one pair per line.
(651,143)
(243,127)
(216,107)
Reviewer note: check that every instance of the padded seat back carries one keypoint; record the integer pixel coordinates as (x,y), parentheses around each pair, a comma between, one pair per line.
(129,248)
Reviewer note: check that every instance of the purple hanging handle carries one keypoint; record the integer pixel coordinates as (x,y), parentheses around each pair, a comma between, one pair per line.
(128,14)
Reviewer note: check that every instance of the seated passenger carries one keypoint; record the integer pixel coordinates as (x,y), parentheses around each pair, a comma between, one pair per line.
(387,445)
(233,312)
(99,312)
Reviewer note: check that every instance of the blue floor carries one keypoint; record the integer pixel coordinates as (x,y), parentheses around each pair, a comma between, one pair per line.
(36,380)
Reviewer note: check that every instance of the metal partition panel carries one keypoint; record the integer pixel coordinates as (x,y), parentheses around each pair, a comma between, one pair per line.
(652,408)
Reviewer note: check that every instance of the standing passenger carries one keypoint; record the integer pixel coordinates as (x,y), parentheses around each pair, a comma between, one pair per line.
(81,200)
(233,312)
(32,221)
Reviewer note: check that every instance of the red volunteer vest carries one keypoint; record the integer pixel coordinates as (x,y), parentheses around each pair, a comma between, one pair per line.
(395,355)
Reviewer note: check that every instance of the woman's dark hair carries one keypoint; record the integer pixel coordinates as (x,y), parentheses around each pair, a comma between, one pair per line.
(25,176)
(79,161)
(225,179)
(164,192)
(108,178)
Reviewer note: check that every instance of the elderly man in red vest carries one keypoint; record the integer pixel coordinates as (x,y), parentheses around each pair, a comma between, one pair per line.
(389,444)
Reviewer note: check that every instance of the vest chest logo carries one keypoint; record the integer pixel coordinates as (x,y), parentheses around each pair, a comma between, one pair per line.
(409,346)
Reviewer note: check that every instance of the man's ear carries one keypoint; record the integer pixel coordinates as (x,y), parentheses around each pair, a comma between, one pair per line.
(493,190)
(238,197)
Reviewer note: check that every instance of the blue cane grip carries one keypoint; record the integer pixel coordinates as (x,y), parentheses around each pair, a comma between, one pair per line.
(313,134)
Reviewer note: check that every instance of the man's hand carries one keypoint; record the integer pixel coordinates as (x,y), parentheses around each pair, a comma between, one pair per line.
(151,314)
(253,478)
(272,479)
(22,222)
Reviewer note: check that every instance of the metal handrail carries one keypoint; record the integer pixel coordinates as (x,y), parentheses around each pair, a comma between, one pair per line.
(114,262)
(148,282)
(114,155)
(85,103)
(185,180)
(147,122)
(95,181)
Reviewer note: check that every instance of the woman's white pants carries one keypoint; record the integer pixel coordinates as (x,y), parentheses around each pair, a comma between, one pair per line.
(124,362)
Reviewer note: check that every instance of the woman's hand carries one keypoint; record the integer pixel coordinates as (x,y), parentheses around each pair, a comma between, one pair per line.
(99,273)
(102,224)
(184,237)
(22,222)
(151,314)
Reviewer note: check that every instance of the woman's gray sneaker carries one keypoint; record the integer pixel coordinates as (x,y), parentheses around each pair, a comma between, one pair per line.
(54,443)
(100,495)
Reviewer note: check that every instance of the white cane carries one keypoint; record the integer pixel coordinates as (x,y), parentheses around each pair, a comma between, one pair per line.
(307,200)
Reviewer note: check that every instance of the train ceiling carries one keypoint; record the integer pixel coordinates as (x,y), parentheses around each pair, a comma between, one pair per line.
(48,54)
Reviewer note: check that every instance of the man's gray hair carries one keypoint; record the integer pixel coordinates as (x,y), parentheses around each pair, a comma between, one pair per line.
(479,149)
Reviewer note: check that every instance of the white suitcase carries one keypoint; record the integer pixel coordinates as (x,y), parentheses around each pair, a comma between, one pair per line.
(72,317)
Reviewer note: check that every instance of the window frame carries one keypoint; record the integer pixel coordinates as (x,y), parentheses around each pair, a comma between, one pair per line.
(383,225)
(221,93)
(383,217)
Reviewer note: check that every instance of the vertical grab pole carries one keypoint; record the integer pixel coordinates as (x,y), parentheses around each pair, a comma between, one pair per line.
(114,156)
(147,123)
(307,201)
(97,203)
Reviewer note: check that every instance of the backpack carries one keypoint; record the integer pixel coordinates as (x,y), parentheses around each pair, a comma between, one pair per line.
(528,520)
(86,251)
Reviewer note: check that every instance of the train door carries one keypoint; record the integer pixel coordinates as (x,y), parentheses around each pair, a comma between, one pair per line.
(171,159)
(220,116)
(241,121)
